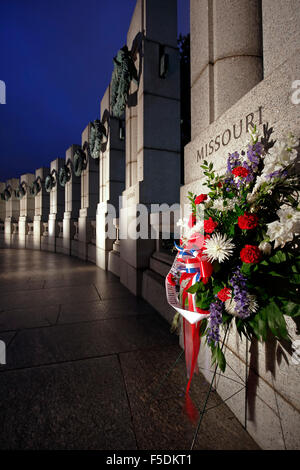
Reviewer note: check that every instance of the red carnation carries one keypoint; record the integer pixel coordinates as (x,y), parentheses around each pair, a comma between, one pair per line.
(201,198)
(210,225)
(224,294)
(192,220)
(240,171)
(250,254)
(171,279)
(247,221)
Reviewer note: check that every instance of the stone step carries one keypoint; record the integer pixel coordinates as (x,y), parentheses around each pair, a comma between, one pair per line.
(153,291)
(161,263)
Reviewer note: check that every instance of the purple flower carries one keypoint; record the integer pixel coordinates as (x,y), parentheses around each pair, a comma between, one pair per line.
(277,174)
(215,320)
(233,161)
(241,298)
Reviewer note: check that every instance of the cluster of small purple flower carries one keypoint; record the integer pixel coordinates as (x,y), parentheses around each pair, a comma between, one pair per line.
(241,298)
(215,320)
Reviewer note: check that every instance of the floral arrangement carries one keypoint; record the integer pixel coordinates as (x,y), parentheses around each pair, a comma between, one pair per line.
(247,226)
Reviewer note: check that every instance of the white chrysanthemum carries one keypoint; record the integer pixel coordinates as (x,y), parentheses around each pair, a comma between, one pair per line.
(218,205)
(218,247)
(230,305)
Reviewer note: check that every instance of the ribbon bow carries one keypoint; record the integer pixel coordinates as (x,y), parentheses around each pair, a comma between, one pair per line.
(192,265)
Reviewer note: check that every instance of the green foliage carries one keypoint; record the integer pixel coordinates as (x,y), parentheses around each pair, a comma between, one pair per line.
(218,357)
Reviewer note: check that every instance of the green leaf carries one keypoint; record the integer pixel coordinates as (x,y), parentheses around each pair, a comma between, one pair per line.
(246,268)
(221,359)
(278,257)
(203,327)
(292,309)
(203,301)
(193,289)
(276,321)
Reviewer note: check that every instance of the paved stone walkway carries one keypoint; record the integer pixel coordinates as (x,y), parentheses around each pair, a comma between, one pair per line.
(84,358)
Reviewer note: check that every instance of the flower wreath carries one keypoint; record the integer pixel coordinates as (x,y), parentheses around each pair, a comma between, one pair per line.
(247,228)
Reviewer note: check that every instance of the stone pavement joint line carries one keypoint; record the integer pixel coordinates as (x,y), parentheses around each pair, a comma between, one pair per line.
(81,372)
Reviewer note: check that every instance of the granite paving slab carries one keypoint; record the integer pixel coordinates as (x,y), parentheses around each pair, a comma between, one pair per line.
(28,317)
(78,405)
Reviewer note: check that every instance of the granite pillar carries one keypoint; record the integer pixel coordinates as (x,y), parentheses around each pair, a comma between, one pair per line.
(89,199)
(41,209)
(270,411)
(12,214)
(152,130)
(281,32)
(26,208)
(57,205)
(72,204)
(226,56)
(2,214)
(112,184)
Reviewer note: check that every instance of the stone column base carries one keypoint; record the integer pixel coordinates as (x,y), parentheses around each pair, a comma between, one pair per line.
(113,264)
(52,232)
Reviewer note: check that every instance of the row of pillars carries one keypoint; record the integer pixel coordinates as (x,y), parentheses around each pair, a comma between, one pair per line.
(143,167)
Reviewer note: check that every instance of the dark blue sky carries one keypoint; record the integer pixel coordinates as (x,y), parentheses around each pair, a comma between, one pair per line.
(56,61)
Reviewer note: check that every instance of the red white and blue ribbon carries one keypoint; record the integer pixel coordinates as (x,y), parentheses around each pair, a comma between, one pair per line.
(191,265)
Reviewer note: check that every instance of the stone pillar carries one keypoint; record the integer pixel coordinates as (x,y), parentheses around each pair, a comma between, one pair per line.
(41,209)
(226,56)
(281,32)
(57,204)
(152,129)
(2,213)
(89,198)
(12,214)
(26,208)
(112,183)
(272,403)
(72,203)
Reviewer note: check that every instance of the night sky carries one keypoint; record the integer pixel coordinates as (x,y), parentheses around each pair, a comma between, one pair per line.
(56,61)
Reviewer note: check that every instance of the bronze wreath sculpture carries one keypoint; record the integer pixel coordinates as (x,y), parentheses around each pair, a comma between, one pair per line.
(7,193)
(96,138)
(64,174)
(124,71)
(50,181)
(21,190)
(80,162)
(36,186)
